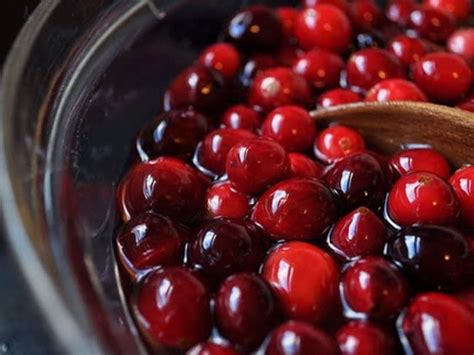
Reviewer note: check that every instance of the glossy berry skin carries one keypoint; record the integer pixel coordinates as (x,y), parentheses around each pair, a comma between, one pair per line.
(444,77)
(256,65)
(323,26)
(212,153)
(205,92)
(399,11)
(362,337)
(245,309)
(461,42)
(174,133)
(337,142)
(395,90)
(241,117)
(296,337)
(359,233)
(460,9)
(340,4)
(366,186)
(452,333)
(321,68)
(256,163)
(223,58)
(367,67)
(164,185)
(431,23)
(291,126)
(433,256)
(212,349)
(171,309)
(338,97)
(287,16)
(420,160)
(407,49)
(223,201)
(298,208)
(365,15)
(308,296)
(147,241)
(462,182)
(422,198)
(373,287)
(222,247)
(303,166)
(277,87)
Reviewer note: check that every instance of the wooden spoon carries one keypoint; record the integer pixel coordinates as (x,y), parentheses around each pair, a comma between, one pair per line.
(388,126)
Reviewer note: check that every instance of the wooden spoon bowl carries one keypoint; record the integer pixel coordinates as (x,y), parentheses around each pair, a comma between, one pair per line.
(388,126)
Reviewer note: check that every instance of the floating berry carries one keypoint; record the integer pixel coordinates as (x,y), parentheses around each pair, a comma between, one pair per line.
(363,337)
(431,23)
(462,182)
(241,117)
(461,42)
(223,201)
(460,9)
(338,97)
(420,160)
(337,142)
(223,58)
(287,16)
(395,90)
(407,49)
(399,11)
(303,166)
(365,14)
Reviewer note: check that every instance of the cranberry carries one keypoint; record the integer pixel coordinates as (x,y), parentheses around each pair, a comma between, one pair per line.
(255,28)
(399,11)
(357,179)
(288,54)
(365,14)
(444,77)
(367,67)
(340,4)
(212,349)
(241,117)
(245,309)
(300,338)
(291,126)
(224,201)
(304,295)
(277,87)
(337,142)
(463,184)
(164,185)
(395,90)
(323,26)
(173,133)
(171,308)
(212,153)
(338,97)
(297,208)
(435,256)
(407,49)
(421,198)
(287,16)
(320,68)
(461,42)
(460,9)
(198,87)
(420,160)
(435,323)
(374,287)
(430,23)
(359,233)
(221,57)
(255,163)
(468,104)
(303,166)
(256,65)
(223,247)
(362,337)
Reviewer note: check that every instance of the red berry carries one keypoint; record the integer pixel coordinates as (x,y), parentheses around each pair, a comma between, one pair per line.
(462,182)
(340,4)
(338,97)
(212,349)
(287,16)
(373,287)
(320,68)
(407,49)
(422,198)
(323,26)
(367,67)
(358,233)
(444,77)
(291,126)
(461,42)
(430,23)
(288,54)
(435,323)
(241,117)
(399,11)
(277,87)
(362,338)
(256,65)
(164,185)
(245,309)
(468,104)
(255,163)
(420,160)
(365,14)
(224,201)
(171,308)
(298,208)
(304,279)
(221,57)
(296,337)
(337,142)
(212,153)
(303,166)
(255,28)
(395,90)
(460,9)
